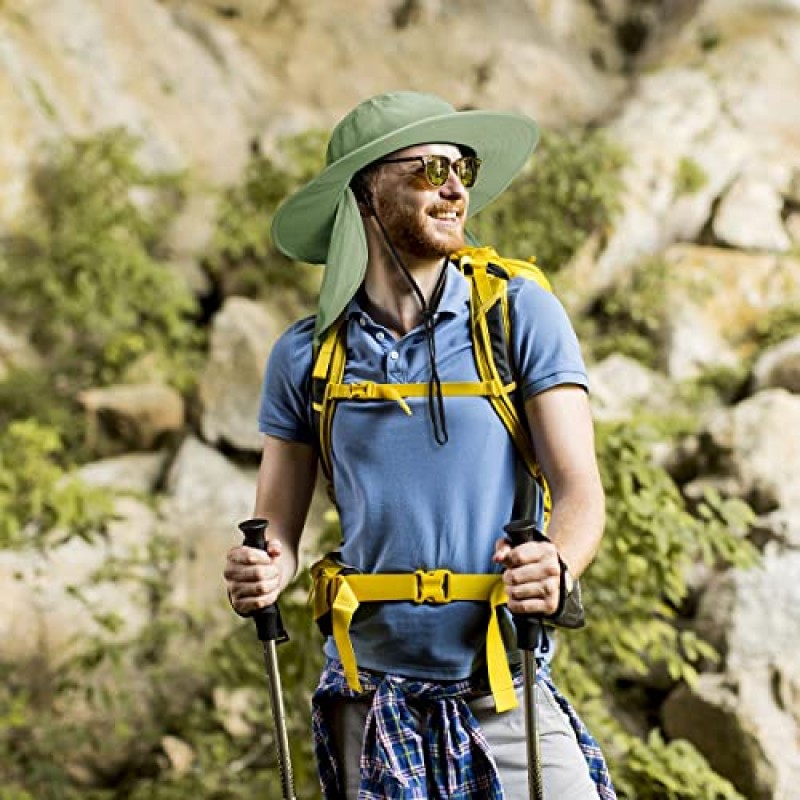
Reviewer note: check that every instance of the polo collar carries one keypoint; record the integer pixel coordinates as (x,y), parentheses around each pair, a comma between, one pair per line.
(454,298)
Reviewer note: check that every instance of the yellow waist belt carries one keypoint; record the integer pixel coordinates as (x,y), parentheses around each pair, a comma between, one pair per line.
(340,594)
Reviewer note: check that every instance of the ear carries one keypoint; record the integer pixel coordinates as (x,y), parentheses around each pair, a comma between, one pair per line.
(363,195)
(364,201)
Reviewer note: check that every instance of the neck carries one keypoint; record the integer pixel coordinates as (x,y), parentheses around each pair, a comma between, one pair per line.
(391,300)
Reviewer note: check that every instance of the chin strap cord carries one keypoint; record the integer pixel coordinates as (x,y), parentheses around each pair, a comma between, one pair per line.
(435,395)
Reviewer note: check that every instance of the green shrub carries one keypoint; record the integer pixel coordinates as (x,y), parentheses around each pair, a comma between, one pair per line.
(630,317)
(243,259)
(85,279)
(777,325)
(41,502)
(571,189)
(634,589)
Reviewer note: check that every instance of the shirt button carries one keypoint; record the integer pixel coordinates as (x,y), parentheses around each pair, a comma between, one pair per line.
(394,355)
(362,322)
(379,336)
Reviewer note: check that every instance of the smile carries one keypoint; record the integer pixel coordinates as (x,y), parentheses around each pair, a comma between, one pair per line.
(446,216)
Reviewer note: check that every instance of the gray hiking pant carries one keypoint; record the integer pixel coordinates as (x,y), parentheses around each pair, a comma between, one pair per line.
(565,773)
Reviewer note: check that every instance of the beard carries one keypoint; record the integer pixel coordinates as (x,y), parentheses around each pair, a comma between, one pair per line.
(416,233)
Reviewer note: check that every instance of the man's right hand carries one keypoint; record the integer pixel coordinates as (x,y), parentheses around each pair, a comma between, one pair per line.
(253,577)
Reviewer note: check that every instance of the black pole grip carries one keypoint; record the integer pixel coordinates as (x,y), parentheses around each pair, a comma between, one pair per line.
(528,626)
(269,624)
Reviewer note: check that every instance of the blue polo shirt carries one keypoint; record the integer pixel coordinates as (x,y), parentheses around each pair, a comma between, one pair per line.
(406,502)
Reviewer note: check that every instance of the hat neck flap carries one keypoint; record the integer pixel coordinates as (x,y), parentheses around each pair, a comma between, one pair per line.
(346,264)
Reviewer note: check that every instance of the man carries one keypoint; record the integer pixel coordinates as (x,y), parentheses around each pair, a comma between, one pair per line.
(423,483)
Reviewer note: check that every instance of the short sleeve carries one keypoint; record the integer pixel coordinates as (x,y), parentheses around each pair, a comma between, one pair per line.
(285,410)
(543,340)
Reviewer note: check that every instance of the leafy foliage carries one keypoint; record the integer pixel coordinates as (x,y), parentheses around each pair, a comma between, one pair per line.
(571,189)
(243,258)
(778,325)
(41,502)
(690,177)
(127,687)
(630,317)
(85,278)
(637,585)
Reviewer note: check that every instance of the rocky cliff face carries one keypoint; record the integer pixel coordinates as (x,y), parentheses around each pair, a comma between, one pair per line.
(704,95)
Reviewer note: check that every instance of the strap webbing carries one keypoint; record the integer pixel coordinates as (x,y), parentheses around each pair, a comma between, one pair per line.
(341,595)
(487,290)
(488,275)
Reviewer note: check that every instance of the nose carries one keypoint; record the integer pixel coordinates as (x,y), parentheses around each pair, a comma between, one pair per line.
(452,188)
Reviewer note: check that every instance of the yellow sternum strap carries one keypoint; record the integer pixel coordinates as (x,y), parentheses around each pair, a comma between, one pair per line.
(397,391)
(342,594)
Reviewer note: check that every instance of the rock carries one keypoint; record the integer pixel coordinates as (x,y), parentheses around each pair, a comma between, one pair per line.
(180,754)
(620,384)
(131,417)
(716,299)
(207,495)
(749,216)
(235,709)
(792,225)
(692,342)
(16,352)
(751,614)
(138,473)
(751,445)
(719,93)
(746,721)
(42,616)
(781,526)
(779,366)
(242,336)
(714,718)
(674,118)
(558,88)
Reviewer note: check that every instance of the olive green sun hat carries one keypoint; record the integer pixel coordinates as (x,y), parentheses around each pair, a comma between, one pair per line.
(321,224)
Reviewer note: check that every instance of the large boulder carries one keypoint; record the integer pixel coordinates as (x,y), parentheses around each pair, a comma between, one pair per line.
(714,301)
(132,417)
(717,101)
(187,86)
(754,444)
(44,617)
(746,720)
(242,336)
(620,385)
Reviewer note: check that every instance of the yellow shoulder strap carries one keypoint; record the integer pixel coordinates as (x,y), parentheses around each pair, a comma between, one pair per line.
(327,371)
(488,296)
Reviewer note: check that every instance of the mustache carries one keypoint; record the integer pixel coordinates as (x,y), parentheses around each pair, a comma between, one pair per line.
(443,208)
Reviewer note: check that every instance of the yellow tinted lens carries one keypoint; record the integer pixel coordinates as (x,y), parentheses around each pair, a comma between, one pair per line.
(467,170)
(437,169)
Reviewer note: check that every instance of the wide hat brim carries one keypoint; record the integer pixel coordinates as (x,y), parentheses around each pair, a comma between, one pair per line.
(303,225)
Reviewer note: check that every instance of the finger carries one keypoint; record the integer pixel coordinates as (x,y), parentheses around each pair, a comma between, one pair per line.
(530,552)
(537,598)
(243,573)
(274,548)
(502,549)
(248,597)
(248,555)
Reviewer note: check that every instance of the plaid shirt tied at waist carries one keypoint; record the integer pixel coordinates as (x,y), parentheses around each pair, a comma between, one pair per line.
(450,761)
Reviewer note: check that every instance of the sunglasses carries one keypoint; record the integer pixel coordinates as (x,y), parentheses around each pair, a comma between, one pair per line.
(437,168)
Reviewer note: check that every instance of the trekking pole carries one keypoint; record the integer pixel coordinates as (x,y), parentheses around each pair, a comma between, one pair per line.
(528,629)
(271,632)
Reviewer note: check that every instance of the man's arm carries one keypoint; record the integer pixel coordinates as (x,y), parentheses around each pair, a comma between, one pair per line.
(563,438)
(283,495)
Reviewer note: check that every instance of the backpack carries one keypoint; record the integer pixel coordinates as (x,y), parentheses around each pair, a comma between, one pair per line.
(490,325)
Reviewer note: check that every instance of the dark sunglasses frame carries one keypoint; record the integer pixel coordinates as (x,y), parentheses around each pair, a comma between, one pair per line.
(466,168)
